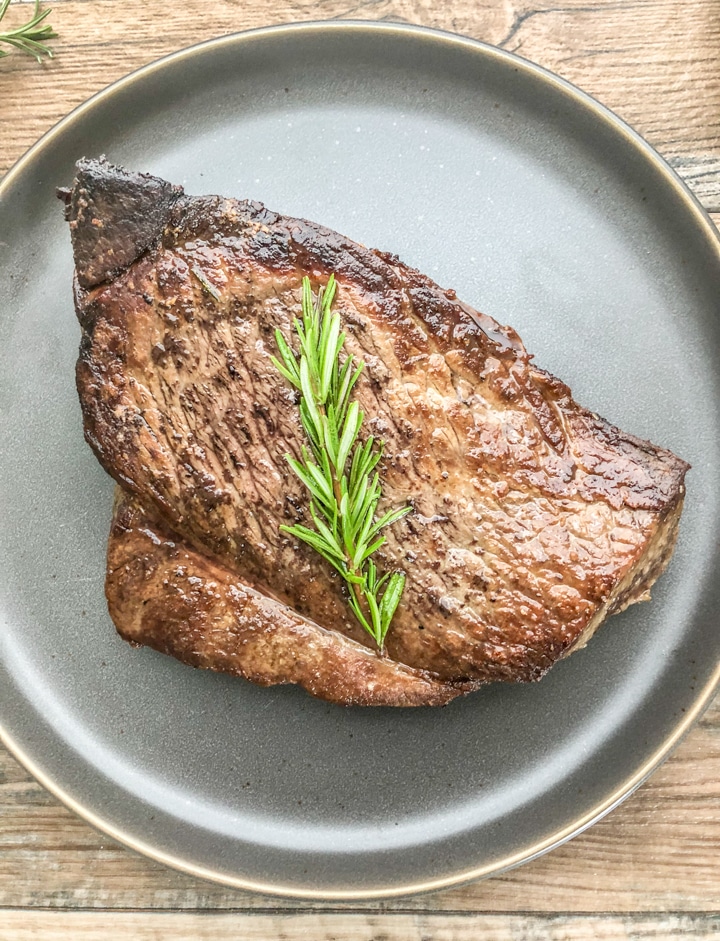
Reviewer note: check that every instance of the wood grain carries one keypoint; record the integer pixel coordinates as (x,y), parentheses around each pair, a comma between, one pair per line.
(649,870)
(658,851)
(309,926)
(654,62)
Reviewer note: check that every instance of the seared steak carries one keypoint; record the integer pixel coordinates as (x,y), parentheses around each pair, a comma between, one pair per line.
(532,517)
(165,593)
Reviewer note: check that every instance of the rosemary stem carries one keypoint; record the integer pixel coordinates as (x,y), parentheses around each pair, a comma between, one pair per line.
(343,502)
(353,571)
(354,587)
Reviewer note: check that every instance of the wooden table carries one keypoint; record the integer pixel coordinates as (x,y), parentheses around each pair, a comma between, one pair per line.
(649,870)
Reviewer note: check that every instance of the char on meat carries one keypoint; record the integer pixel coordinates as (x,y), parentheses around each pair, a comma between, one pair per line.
(532,518)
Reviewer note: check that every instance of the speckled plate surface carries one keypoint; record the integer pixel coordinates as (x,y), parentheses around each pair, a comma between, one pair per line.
(540,208)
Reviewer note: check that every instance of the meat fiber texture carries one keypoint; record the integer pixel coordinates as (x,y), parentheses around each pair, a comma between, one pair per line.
(533,518)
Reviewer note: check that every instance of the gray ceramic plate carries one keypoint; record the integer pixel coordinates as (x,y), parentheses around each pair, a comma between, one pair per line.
(537,206)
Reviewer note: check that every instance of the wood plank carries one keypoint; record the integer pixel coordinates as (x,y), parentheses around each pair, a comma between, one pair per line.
(654,63)
(49,858)
(83,926)
(651,61)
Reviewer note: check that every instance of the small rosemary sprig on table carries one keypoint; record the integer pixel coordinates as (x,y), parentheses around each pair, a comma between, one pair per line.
(27,38)
(338,470)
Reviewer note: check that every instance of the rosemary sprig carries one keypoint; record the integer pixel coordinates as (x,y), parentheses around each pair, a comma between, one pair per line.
(29,37)
(338,470)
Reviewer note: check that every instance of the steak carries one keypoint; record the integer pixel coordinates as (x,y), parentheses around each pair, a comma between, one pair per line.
(533,518)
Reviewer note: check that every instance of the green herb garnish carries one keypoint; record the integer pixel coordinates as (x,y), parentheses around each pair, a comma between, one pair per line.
(338,469)
(27,38)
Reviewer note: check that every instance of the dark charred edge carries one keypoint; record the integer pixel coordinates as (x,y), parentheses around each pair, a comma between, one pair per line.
(114,217)
(126,560)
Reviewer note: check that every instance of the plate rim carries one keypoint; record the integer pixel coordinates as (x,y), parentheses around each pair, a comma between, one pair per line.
(712,237)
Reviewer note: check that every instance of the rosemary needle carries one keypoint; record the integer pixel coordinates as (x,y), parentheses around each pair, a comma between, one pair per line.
(29,37)
(338,470)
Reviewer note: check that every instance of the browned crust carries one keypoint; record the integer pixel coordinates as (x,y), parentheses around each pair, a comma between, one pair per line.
(114,217)
(163,594)
(533,515)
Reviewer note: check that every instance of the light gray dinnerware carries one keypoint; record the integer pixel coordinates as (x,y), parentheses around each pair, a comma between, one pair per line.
(538,207)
